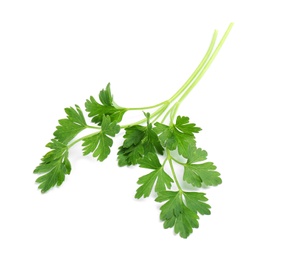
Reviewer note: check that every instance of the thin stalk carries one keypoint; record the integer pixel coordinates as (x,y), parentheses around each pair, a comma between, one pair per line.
(198,69)
(165,161)
(174,110)
(93,127)
(80,139)
(207,65)
(156,117)
(148,107)
(177,161)
(173,170)
(165,116)
(190,79)
(186,84)
(158,112)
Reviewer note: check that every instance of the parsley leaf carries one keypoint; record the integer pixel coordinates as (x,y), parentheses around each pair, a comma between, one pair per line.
(183,125)
(54,166)
(139,141)
(205,173)
(178,136)
(158,176)
(99,143)
(72,125)
(106,108)
(180,210)
(195,202)
(197,155)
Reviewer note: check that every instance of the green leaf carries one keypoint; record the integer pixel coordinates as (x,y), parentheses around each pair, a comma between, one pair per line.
(105,96)
(72,125)
(176,214)
(158,177)
(99,144)
(130,156)
(54,166)
(186,222)
(139,141)
(106,108)
(179,136)
(200,173)
(133,135)
(185,143)
(132,149)
(151,140)
(196,174)
(109,126)
(166,135)
(197,155)
(183,125)
(195,201)
(181,210)
(151,161)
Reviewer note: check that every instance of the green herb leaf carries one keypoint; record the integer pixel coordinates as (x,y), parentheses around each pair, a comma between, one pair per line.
(203,173)
(106,108)
(72,125)
(175,214)
(196,174)
(99,143)
(138,142)
(181,211)
(158,177)
(105,96)
(197,155)
(195,202)
(178,136)
(54,166)
(183,125)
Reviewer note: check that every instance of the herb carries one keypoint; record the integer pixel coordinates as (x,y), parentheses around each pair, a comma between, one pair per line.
(157,142)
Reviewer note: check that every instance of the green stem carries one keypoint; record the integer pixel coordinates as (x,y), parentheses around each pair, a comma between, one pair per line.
(165,104)
(160,112)
(169,158)
(93,127)
(177,161)
(81,138)
(165,116)
(187,86)
(174,110)
(165,161)
(197,70)
(205,68)
(157,113)
(148,107)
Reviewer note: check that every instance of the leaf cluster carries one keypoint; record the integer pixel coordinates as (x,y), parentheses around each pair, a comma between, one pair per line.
(157,146)
(55,164)
(106,107)
(182,208)
(138,142)
(149,145)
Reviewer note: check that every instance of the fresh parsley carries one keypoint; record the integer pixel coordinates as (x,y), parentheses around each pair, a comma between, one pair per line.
(157,142)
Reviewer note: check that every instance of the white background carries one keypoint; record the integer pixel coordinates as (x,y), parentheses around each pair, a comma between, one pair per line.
(54,54)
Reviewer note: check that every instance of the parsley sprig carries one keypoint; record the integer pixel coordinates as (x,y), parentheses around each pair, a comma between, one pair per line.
(159,141)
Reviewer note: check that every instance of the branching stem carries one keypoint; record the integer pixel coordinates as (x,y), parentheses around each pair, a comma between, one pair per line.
(81,138)
(169,158)
(182,93)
